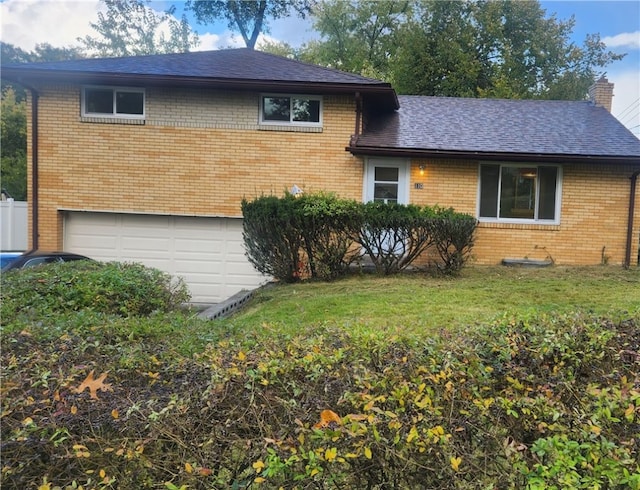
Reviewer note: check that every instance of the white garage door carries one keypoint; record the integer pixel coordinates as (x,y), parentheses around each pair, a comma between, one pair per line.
(208,253)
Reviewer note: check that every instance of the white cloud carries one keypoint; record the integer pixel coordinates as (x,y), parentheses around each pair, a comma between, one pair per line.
(630,40)
(626,95)
(227,39)
(26,23)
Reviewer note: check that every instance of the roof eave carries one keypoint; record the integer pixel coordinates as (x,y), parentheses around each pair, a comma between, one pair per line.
(492,156)
(384,90)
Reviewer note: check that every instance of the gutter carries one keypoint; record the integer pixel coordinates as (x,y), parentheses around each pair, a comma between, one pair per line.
(128,79)
(490,155)
(632,204)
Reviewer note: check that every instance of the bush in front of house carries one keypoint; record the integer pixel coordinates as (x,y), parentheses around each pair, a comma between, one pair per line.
(328,226)
(123,289)
(394,235)
(272,237)
(320,235)
(453,236)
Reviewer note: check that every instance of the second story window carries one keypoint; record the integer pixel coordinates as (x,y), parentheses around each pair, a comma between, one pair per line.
(113,102)
(304,110)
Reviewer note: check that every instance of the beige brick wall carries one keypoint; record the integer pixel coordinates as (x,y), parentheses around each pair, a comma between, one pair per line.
(189,158)
(593,221)
(200,152)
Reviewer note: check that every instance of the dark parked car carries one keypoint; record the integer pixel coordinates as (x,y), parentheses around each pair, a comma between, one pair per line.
(31,259)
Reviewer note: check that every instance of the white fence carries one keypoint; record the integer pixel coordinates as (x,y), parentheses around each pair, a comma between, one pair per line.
(13,225)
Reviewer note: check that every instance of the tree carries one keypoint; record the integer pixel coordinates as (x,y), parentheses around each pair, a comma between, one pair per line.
(247,16)
(479,48)
(357,36)
(14,114)
(496,48)
(131,28)
(13,141)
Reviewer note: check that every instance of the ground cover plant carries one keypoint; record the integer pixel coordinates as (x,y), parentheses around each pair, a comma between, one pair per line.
(539,390)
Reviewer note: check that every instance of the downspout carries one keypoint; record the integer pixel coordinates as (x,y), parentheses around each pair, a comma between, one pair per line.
(354,138)
(34,170)
(632,205)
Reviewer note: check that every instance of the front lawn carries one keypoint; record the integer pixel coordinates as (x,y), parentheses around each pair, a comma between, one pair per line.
(499,378)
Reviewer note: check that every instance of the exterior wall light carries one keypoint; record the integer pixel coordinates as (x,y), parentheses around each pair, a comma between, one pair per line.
(422,167)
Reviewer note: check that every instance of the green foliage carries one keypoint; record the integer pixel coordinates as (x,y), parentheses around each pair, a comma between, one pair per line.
(13,115)
(13,132)
(250,17)
(272,238)
(453,236)
(321,235)
(395,235)
(358,37)
(112,288)
(328,225)
(466,49)
(132,28)
(542,402)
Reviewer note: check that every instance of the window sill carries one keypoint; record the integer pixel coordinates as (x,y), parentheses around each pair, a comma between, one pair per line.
(112,120)
(519,226)
(290,128)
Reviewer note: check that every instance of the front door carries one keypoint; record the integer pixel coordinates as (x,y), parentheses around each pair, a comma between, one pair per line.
(386,180)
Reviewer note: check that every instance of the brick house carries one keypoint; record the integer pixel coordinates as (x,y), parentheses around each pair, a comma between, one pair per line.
(147,159)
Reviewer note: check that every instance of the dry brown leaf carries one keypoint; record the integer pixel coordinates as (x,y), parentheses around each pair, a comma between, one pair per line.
(327,417)
(94,385)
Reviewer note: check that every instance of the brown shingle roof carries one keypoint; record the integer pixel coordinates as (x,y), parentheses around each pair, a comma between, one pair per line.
(231,68)
(488,128)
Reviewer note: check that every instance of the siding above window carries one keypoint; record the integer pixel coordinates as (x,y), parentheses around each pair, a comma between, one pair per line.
(291,110)
(113,103)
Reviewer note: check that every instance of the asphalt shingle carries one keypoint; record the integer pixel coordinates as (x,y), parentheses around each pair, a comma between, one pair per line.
(500,126)
(229,64)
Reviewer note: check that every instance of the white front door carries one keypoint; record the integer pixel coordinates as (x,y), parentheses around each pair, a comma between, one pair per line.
(386,180)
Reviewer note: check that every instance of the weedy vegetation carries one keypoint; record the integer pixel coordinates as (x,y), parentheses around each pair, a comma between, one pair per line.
(497,378)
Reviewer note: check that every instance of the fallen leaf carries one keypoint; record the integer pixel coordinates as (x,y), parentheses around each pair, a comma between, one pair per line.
(327,417)
(94,385)
(455,463)
(330,454)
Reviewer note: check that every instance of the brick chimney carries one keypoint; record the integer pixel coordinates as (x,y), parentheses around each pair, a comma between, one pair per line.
(601,93)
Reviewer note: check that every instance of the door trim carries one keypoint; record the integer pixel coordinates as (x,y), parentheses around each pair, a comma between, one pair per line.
(402,164)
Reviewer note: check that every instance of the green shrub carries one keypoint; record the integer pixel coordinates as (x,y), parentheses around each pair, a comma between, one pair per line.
(110,288)
(453,237)
(328,225)
(394,235)
(272,236)
(320,235)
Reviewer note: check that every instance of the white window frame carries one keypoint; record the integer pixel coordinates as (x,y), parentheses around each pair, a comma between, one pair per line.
(535,220)
(401,164)
(114,114)
(291,122)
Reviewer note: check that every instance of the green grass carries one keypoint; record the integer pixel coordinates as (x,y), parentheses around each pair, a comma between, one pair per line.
(418,303)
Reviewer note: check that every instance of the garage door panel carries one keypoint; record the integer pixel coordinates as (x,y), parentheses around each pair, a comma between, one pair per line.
(146,244)
(208,253)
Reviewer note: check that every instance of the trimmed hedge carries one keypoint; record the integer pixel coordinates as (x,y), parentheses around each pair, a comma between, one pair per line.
(320,236)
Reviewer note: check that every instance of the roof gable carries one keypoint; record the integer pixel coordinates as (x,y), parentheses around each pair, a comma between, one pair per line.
(490,127)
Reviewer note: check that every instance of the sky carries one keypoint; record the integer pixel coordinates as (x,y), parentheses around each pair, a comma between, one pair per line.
(25,23)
